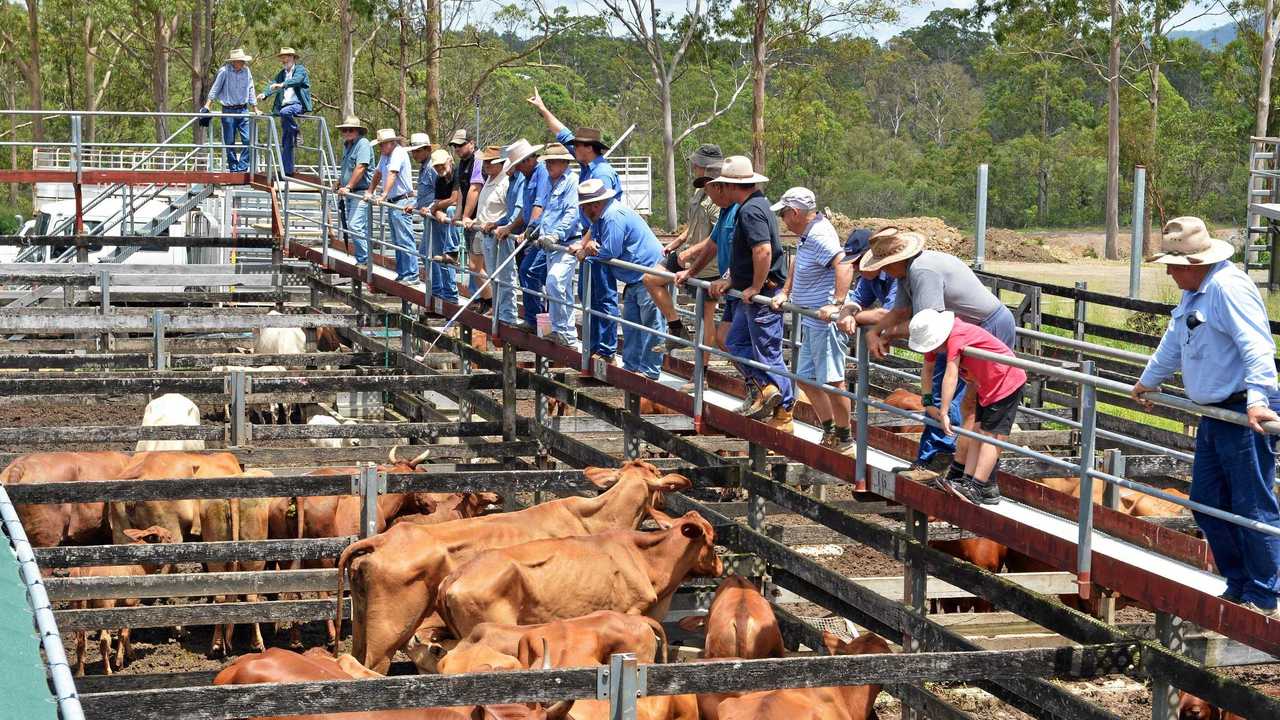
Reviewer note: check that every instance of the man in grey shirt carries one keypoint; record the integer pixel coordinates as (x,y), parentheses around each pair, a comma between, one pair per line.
(936,280)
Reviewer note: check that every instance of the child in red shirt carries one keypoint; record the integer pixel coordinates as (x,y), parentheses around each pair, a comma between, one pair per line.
(996,389)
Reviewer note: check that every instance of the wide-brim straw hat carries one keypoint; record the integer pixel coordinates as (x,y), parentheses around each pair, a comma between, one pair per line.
(556,151)
(417,141)
(930,329)
(593,190)
(286,50)
(493,153)
(239,55)
(386,135)
(1186,241)
(351,122)
(737,170)
(518,151)
(889,245)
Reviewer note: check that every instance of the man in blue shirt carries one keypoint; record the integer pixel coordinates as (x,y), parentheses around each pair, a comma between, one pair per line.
(1220,340)
(617,232)
(233,90)
(357,156)
(587,145)
(560,229)
(522,161)
(419,150)
(391,183)
(292,89)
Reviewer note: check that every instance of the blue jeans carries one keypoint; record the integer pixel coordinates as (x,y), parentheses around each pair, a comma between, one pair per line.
(1233,470)
(289,137)
(637,345)
(402,237)
(604,299)
(933,440)
(444,278)
(233,128)
(356,212)
(756,334)
(533,276)
(504,280)
(562,270)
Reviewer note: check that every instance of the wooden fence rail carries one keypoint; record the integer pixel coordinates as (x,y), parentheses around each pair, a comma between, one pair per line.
(132,433)
(193,552)
(261,384)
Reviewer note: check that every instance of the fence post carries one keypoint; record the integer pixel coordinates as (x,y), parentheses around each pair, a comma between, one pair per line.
(980,231)
(104,307)
(863,386)
(586,319)
(914,587)
(1135,242)
(464,367)
(237,381)
(795,339)
(755,503)
(1081,318)
(340,206)
(1084,543)
(623,687)
(1171,631)
(157,339)
(372,482)
(508,392)
(631,443)
(699,358)
(1112,464)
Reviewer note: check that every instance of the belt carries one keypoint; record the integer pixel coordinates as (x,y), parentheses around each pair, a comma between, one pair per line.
(1236,398)
(234,107)
(398,198)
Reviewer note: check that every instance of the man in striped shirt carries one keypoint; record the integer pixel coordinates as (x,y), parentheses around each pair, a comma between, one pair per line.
(233,90)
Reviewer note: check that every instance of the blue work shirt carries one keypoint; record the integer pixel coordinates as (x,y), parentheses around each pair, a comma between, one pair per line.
(231,87)
(537,193)
(1220,339)
(397,161)
(722,236)
(427,178)
(621,234)
(598,169)
(866,293)
(515,199)
(356,153)
(560,216)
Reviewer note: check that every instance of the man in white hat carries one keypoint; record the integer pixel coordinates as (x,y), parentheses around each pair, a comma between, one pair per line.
(757,267)
(560,229)
(419,149)
(811,284)
(618,233)
(491,208)
(233,90)
(1220,340)
(522,161)
(391,183)
(353,180)
(292,90)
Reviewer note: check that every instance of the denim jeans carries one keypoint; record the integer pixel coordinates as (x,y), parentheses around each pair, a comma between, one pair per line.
(402,237)
(356,212)
(289,137)
(504,280)
(933,440)
(233,129)
(756,334)
(604,299)
(533,276)
(444,278)
(562,270)
(637,345)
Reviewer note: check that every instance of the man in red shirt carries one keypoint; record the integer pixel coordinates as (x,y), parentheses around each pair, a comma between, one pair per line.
(997,388)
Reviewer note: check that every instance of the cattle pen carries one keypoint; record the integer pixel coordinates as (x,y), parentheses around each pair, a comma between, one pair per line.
(483,401)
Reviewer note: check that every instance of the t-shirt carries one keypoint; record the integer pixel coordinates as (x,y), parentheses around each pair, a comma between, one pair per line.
(463,170)
(396,161)
(994,381)
(445,186)
(756,224)
(815,270)
(491,207)
(701,217)
(355,153)
(722,235)
(942,282)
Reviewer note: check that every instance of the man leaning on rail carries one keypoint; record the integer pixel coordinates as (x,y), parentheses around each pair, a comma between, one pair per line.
(1220,339)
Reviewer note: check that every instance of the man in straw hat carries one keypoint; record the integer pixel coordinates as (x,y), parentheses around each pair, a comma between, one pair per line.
(292,90)
(491,209)
(1221,342)
(233,90)
(522,161)
(353,181)
(936,280)
(560,229)
(419,149)
(757,267)
(391,183)
(617,232)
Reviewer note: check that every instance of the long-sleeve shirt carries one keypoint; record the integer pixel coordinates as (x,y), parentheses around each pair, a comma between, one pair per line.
(232,87)
(598,169)
(623,235)
(560,216)
(515,199)
(1220,339)
(537,193)
(427,177)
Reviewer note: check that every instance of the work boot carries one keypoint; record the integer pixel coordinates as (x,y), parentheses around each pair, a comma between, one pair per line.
(979,493)
(749,402)
(770,400)
(847,446)
(828,439)
(781,420)
(675,328)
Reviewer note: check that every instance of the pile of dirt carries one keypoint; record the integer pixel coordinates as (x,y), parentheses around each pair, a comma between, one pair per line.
(1001,244)
(1014,246)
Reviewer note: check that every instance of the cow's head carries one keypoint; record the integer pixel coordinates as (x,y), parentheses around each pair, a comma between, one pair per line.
(396,465)
(866,644)
(1191,707)
(701,539)
(153,534)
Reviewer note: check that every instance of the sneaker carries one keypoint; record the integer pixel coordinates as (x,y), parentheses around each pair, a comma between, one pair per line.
(749,402)
(979,493)
(948,485)
(676,329)
(769,401)
(1273,613)
(828,439)
(781,420)
(847,447)
(527,328)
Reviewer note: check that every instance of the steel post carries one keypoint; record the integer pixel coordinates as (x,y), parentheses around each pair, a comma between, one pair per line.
(157,339)
(980,229)
(1081,318)
(508,392)
(699,358)
(795,339)
(1112,464)
(325,221)
(586,320)
(759,458)
(104,307)
(861,417)
(372,482)
(1135,242)
(624,686)
(236,387)
(1171,631)
(1084,543)
(631,443)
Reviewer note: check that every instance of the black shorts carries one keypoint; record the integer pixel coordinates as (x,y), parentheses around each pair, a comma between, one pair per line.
(997,418)
(672,262)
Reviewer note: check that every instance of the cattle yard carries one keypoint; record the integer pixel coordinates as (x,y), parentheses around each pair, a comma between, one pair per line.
(828,538)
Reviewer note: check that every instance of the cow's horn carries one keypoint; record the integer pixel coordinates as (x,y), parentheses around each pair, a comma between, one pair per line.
(420,458)
(546,655)
(391,456)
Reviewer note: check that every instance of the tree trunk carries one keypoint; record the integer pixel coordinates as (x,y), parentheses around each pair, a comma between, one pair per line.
(88,39)
(33,66)
(403,64)
(1148,242)
(433,69)
(162,30)
(1264,69)
(1042,168)
(11,101)
(759,70)
(1111,249)
(200,57)
(668,153)
(347,58)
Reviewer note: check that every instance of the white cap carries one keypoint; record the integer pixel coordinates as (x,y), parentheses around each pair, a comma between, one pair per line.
(800,198)
(930,329)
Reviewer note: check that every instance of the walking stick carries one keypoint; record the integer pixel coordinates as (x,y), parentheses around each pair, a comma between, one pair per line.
(532,236)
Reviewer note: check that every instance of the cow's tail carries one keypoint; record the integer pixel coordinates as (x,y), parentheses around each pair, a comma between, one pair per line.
(660,633)
(355,549)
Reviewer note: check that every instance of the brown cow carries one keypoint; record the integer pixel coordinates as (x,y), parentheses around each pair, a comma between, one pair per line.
(649,707)
(629,571)
(234,520)
(445,507)
(428,653)
(853,702)
(986,554)
(136,537)
(1191,707)
(739,624)
(591,639)
(180,517)
(395,576)
(69,523)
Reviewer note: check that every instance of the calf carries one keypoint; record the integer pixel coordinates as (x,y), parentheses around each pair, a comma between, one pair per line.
(331,442)
(235,520)
(180,517)
(854,702)
(66,523)
(628,571)
(166,410)
(591,639)
(445,507)
(428,653)
(124,650)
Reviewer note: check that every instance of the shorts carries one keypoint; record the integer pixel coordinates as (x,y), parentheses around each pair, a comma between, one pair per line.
(824,351)
(730,304)
(997,418)
(472,241)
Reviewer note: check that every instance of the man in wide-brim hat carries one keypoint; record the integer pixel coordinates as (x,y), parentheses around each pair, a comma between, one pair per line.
(1220,339)
(491,209)
(392,183)
(560,229)
(353,181)
(523,162)
(233,90)
(292,90)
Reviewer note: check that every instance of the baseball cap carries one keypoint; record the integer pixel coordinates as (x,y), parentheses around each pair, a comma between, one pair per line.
(857,244)
(799,198)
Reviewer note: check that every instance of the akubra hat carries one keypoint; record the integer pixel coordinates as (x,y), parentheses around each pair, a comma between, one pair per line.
(889,245)
(737,170)
(239,55)
(351,122)
(286,50)
(386,135)
(556,151)
(518,151)
(593,191)
(417,141)
(491,154)
(1186,241)
(590,136)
